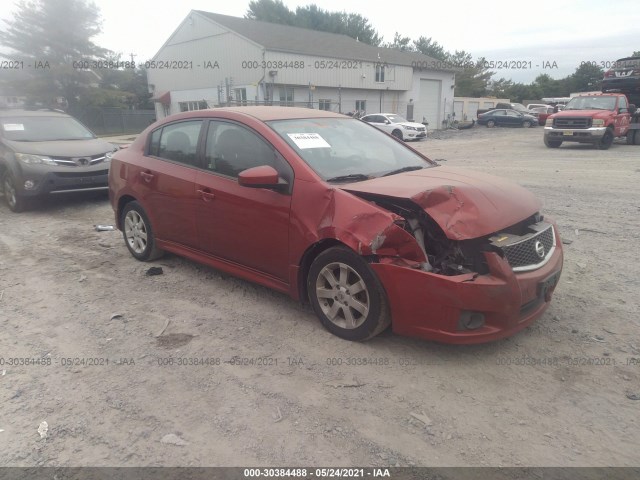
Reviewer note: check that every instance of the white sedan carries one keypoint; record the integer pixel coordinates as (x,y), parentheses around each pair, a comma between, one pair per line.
(397,126)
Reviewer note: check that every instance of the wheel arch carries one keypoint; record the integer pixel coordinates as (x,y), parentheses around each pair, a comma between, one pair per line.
(122,202)
(307,259)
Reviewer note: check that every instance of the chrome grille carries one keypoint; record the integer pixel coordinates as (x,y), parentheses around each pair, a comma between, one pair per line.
(525,255)
(572,122)
(79,161)
(530,251)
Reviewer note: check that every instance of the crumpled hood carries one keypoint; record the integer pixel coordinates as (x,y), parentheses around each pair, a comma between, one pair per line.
(62,148)
(466,204)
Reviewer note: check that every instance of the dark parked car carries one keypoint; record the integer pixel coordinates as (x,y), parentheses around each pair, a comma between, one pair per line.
(332,211)
(46,151)
(506,118)
(624,76)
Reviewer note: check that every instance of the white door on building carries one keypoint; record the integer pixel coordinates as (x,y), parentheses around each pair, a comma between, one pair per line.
(473,109)
(458,108)
(430,93)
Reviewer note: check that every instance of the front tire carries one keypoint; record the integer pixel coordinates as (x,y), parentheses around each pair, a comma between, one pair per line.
(552,143)
(347,296)
(16,202)
(607,139)
(138,234)
(397,134)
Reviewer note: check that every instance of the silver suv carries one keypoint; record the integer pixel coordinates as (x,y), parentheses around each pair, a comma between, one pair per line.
(47,151)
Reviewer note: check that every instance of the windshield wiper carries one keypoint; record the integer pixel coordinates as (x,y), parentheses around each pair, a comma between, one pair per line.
(403,169)
(352,176)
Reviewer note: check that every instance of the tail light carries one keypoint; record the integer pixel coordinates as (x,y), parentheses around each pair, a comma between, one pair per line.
(608,73)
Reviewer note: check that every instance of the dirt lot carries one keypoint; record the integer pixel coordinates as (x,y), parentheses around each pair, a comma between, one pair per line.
(565,392)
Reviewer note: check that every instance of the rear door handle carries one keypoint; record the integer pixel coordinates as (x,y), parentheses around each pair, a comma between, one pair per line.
(146,176)
(206,195)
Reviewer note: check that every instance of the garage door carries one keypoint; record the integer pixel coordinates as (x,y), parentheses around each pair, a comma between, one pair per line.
(430,102)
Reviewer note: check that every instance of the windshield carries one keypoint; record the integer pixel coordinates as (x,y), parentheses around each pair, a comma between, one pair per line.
(519,107)
(592,103)
(396,118)
(43,129)
(336,147)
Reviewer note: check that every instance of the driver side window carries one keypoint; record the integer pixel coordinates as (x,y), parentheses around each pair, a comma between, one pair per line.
(230,149)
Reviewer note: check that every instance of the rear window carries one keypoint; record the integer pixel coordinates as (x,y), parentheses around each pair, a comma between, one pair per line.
(43,129)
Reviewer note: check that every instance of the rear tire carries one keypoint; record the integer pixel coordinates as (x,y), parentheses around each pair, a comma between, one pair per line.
(526,124)
(631,134)
(491,123)
(138,234)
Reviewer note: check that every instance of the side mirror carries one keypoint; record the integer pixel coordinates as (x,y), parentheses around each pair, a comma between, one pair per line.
(387,122)
(263,176)
(632,108)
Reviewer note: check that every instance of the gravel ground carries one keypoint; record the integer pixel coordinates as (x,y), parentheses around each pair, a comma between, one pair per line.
(119,386)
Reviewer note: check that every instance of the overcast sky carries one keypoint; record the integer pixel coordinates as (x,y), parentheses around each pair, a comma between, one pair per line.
(542,32)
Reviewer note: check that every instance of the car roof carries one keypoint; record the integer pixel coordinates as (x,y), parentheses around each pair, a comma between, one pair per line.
(264,113)
(31,113)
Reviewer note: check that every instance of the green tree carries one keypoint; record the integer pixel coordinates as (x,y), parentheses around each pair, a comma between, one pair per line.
(48,36)
(400,43)
(550,87)
(500,88)
(636,53)
(311,16)
(273,11)
(473,80)
(431,48)
(586,78)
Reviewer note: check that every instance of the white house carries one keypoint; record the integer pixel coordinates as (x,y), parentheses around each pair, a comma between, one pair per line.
(213,60)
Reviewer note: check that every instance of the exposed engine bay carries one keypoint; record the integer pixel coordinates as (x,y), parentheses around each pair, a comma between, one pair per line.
(446,256)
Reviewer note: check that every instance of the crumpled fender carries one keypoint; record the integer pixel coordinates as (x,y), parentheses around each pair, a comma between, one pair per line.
(363,226)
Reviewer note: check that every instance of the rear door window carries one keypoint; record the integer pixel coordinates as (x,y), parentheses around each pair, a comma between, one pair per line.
(177,142)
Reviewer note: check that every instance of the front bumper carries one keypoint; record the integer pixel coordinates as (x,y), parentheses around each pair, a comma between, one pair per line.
(582,135)
(47,179)
(430,306)
(413,135)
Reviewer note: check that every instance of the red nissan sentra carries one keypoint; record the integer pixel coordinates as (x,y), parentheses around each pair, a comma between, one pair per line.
(335,212)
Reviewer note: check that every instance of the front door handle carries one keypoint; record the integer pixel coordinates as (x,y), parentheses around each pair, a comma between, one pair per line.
(146,176)
(206,195)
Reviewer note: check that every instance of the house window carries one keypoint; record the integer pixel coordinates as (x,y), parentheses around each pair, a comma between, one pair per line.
(190,106)
(286,96)
(361,105)
(380,72)
(324,104)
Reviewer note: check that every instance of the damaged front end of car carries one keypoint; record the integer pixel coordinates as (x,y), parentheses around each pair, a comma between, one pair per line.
(454,287)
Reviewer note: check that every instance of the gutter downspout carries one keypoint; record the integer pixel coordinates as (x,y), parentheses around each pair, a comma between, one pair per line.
(264,73)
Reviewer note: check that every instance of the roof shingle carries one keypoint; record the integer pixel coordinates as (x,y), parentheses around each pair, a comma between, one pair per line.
(285,38)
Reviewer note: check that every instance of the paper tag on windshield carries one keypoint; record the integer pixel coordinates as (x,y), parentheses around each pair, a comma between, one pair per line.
(13,127)
(308,140)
